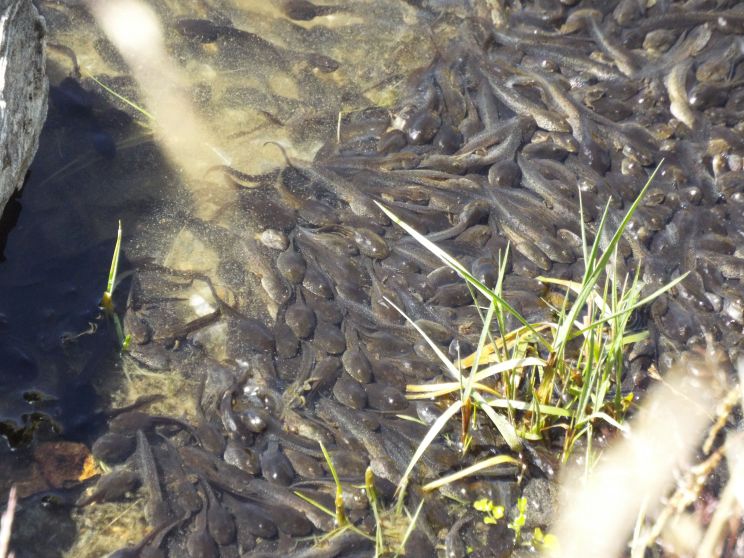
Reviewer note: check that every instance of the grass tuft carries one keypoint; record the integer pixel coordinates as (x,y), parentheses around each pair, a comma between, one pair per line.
(393,525)
(564,374)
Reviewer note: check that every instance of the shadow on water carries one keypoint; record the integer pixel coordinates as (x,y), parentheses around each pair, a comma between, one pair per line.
(8,221)
(56,241)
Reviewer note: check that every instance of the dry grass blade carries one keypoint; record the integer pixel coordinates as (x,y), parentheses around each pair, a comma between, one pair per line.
(411,527)
(731,500)
(576,287)
(443,388)
(427,440)
(473,469)
(429,391)
(503,343)
(509,365)
(524,406)
(505,428)
(6,524)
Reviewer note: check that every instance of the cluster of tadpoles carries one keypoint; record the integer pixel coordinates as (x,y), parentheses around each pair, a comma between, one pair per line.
(517,130)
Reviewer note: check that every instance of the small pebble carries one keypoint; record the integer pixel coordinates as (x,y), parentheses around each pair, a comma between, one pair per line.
(274,239)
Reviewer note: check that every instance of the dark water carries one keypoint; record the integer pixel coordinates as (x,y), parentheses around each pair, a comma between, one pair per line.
(92,169)
(55,263)
(256,305)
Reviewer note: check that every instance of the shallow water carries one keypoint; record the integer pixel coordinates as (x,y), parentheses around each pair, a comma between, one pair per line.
(202,281)
(98,163)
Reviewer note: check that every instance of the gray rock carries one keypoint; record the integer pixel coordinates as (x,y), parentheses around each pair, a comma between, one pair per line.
(23,91)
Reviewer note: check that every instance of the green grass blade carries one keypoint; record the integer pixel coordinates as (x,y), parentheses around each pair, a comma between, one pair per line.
(451,368)
(369,485)
(340,514)
(596,269)
(312,502)
(591,257)
(635,337)
(113,270)
(524,406)
(114,262)
(479,350)
(331,467)
(505,428)
(437,251)
(460,269)
(120,337)
(123,99)
(650,298)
